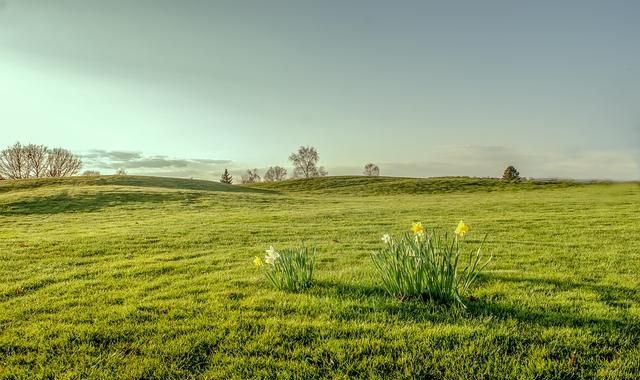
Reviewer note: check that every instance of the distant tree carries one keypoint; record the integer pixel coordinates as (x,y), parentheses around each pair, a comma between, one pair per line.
(226,177)
(36,157)
(275,173)
(510,174)
(305,163)
(371,170)
(121,171)
(13,163)
(36,161)
(251,176)
(91,173)
(62,163)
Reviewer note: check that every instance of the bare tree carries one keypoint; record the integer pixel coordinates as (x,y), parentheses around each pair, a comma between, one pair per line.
(91,173)
(37,161)
(13,163)
(305,163)
(36,157)
(121,171)
(62,163)
(251,176)
(275,173)
(371,170)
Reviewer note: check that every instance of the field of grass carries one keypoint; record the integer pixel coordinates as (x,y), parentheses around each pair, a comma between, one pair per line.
(151,278)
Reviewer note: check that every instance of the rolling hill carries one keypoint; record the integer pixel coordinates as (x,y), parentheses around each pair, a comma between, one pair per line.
(359,185)
(122,181)
(152,278)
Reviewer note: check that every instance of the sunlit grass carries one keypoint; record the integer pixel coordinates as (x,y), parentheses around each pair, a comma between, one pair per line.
(121,281)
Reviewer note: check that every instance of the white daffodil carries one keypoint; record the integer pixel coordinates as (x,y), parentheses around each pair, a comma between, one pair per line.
(386,238)
(271,256)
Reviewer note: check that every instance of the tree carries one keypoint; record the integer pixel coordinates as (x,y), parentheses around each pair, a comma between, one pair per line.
(252,176)
(275,173)
(91,173)
(226,177)
(121,171)
(62,163)
(371,170)
(305,163)
(511,174)
(36,161)
(36,157)
(13,163)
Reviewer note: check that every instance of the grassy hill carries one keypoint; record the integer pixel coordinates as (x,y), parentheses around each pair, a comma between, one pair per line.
(151,278)
(123,181)
(80,194)
(359,185)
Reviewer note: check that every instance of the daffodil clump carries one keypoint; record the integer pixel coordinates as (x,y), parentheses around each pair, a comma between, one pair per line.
(288,269)
(421,264)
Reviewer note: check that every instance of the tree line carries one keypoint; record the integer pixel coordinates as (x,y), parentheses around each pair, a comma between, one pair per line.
(305,165)
(37,161)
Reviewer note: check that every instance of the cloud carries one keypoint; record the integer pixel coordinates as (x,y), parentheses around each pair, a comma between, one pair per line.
(490,161)
(113,155)
(153,165)
(455,160)
(475,160)
(602,164)
(206,161)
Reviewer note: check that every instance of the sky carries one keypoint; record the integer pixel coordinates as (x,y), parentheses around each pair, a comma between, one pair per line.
(421,88)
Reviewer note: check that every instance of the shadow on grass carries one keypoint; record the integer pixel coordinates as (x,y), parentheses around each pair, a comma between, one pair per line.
(610,294)
(324,288)
(367,301)
(67,203)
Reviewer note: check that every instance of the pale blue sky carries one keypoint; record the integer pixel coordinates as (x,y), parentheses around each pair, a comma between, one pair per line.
(422,88)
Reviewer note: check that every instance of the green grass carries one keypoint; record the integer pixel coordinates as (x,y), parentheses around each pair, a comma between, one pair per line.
(128,181)
(148,278)
(396,185)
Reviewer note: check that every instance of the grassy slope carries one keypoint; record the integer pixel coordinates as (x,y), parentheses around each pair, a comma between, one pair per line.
(154,282)
(397,185)
(128,181)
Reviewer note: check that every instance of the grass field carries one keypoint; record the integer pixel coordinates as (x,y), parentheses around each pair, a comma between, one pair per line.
(150,278)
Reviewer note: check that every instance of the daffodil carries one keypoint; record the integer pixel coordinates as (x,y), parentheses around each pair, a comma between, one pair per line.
(417,228)
(419,236)
(462,229)
(386,238)
(271,256)
(258,262)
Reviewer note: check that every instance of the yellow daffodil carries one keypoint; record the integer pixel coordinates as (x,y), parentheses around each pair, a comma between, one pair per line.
(417,228)
(258,262)
(462,229)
